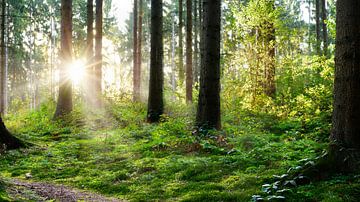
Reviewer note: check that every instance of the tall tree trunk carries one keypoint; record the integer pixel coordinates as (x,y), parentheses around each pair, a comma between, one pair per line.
(270,60)
(139,44)
(346,115)
(3,62)
(173,66)
(181,50)
(155,102)
(98,52)
(65,105)
(136,79)
(318,27)
(189,52)
(90,51)
(208,114)
(325,34)
(196,41)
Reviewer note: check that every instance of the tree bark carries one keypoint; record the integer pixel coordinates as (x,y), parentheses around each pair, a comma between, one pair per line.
(208,114)
(181,50)
(155,102)
(325,34)
(346,114)
(136,80)
(189,52)
(65,105)
(139,48)
(98,52)
(10,141)
(90,51)
(318,27)
(3,62)
(196,41)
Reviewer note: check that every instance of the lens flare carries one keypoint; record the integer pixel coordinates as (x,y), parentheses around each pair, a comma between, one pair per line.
(77,71)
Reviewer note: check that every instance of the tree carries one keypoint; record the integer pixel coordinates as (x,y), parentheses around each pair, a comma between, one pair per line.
(208,114)
(155,102)
(65,105)
(136,72)
(189,52)
(10,141)
(181,50)
(98,52)
(3,78)
(346,115)
(90,48)
(325,34)
(318,27)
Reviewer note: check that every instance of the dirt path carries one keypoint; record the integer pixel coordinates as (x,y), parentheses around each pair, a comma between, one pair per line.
(39,191)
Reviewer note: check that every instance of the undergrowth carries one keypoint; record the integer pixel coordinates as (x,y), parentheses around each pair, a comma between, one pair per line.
(116,153)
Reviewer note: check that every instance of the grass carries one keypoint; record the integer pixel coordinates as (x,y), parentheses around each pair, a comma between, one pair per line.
(118,154)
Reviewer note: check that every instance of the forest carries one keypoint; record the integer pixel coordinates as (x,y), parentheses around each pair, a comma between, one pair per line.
(180,100)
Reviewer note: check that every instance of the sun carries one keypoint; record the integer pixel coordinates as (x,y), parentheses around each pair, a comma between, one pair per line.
(77,71)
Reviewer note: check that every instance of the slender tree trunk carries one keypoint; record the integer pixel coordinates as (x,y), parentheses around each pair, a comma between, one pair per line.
(65,105)
(136,81)
(325,34)
(156,103)
(181,50)
(98,52)
(139,43)
(318,27)
(196,41)
(3,62)
(189,52)
(90,51)
(208,114)
(346,115)
(173,66)
(270,60)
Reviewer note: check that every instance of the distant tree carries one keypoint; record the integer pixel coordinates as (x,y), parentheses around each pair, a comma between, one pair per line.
(136,66)
(155,102)
(208,114)
(346,115)
(90,49)
(325,32)
(181,50)
(189,51)
(65,105)
(318,27)
(98,52)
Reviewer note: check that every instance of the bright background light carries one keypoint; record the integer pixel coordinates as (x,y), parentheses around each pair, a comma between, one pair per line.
(77,71)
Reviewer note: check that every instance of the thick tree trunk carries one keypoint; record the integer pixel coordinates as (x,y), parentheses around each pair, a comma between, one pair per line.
(181,50)
(90,51)
(189,52)
(98,52)
(346,114)
(65,105)
(325,34)
(208,114)
(155,102)
(10,141)
(318,27)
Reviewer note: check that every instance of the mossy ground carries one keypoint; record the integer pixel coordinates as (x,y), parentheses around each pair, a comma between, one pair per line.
(118,154)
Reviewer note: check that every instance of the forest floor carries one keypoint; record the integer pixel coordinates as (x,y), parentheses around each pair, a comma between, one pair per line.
(117,154)
(40,191)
